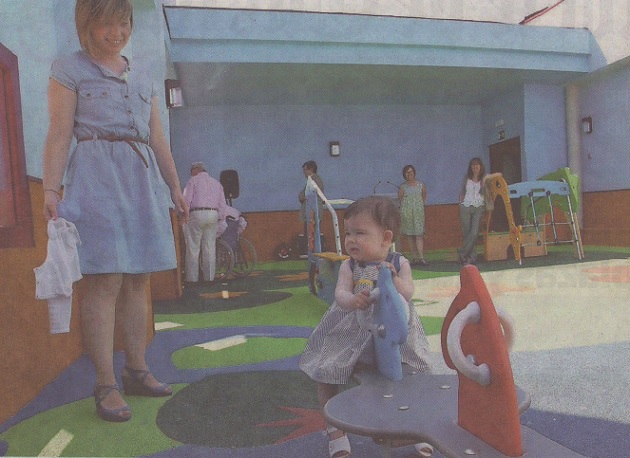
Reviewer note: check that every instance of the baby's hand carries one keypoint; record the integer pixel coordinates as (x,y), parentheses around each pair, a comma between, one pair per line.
(390,266)
(361,300)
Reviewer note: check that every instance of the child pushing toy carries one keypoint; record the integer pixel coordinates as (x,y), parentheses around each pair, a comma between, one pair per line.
(341,342)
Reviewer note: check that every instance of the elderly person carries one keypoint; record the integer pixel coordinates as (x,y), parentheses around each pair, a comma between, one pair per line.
(206,201)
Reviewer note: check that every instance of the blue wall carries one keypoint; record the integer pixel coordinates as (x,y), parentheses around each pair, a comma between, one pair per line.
(503,113)
(268,144)
(38,31)
(35,46)
(606,151)
(544,145)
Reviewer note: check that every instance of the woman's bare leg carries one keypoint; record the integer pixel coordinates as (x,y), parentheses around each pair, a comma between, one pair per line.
(132,315)
(98,318)
(420,245)
(411,240)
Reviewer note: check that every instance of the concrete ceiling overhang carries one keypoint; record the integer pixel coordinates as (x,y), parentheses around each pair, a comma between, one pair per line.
(249,57)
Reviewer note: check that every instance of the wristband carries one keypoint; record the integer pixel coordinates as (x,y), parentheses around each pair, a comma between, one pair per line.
(52,190)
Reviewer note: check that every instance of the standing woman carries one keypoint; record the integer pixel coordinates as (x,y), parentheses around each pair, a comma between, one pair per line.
(114,192)
(471,208)
(413,197)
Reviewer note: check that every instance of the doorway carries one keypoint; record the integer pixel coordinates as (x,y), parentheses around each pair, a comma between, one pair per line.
(505,157)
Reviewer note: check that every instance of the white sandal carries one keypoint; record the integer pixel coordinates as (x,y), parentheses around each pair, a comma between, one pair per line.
(339,447)
(423,449)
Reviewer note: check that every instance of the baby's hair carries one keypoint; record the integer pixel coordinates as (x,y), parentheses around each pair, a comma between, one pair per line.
(381,209)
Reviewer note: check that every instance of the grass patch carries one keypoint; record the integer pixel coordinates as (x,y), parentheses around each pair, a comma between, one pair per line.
(255,350)
(300,265)
(302,309)
(432,324)
(139,436)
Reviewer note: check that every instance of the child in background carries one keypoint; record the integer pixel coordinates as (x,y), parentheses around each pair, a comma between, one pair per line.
(339,342)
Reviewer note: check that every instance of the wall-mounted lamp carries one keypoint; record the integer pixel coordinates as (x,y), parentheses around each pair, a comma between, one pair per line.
(587,125)
(173,94)
(334,149)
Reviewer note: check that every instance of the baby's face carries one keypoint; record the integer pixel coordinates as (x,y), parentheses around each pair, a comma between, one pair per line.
(365,240)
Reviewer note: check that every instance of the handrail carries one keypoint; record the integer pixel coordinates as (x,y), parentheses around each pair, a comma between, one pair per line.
(312,186)
(467,364)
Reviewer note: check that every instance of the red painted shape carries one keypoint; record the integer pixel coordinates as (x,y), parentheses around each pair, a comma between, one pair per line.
(308,421)
(489,412)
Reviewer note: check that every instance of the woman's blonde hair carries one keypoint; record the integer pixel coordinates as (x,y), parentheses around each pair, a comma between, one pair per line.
(87,12)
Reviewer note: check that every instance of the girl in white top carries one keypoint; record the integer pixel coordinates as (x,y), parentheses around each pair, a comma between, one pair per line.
(471,209)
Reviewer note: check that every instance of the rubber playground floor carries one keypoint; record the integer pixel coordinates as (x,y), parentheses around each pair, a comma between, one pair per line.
(233,364)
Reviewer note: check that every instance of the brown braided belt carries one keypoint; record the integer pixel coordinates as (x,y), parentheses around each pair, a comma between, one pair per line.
(131,141)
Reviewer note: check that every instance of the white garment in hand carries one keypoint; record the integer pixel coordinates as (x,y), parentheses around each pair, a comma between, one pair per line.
(54,278)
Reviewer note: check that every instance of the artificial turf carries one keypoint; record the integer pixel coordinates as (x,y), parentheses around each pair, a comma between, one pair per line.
(235,408)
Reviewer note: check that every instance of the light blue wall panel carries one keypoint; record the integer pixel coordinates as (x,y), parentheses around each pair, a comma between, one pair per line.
(503,113)
(536,115)
(268,144)
(606,151)
(544,145)
(29,33)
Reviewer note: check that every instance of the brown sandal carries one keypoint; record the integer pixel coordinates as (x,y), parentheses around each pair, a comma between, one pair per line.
(116,415)
(134,384)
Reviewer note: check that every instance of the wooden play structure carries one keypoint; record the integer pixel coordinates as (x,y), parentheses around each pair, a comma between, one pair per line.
(496,244)
(474,412)
(539,200)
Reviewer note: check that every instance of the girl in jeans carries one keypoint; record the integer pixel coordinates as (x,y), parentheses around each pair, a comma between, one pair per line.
(471,208)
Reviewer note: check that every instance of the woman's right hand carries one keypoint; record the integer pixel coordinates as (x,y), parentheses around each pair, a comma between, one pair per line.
(62,103)
(51,199)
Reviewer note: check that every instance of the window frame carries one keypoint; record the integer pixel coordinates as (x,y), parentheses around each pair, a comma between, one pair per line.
(20,233)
